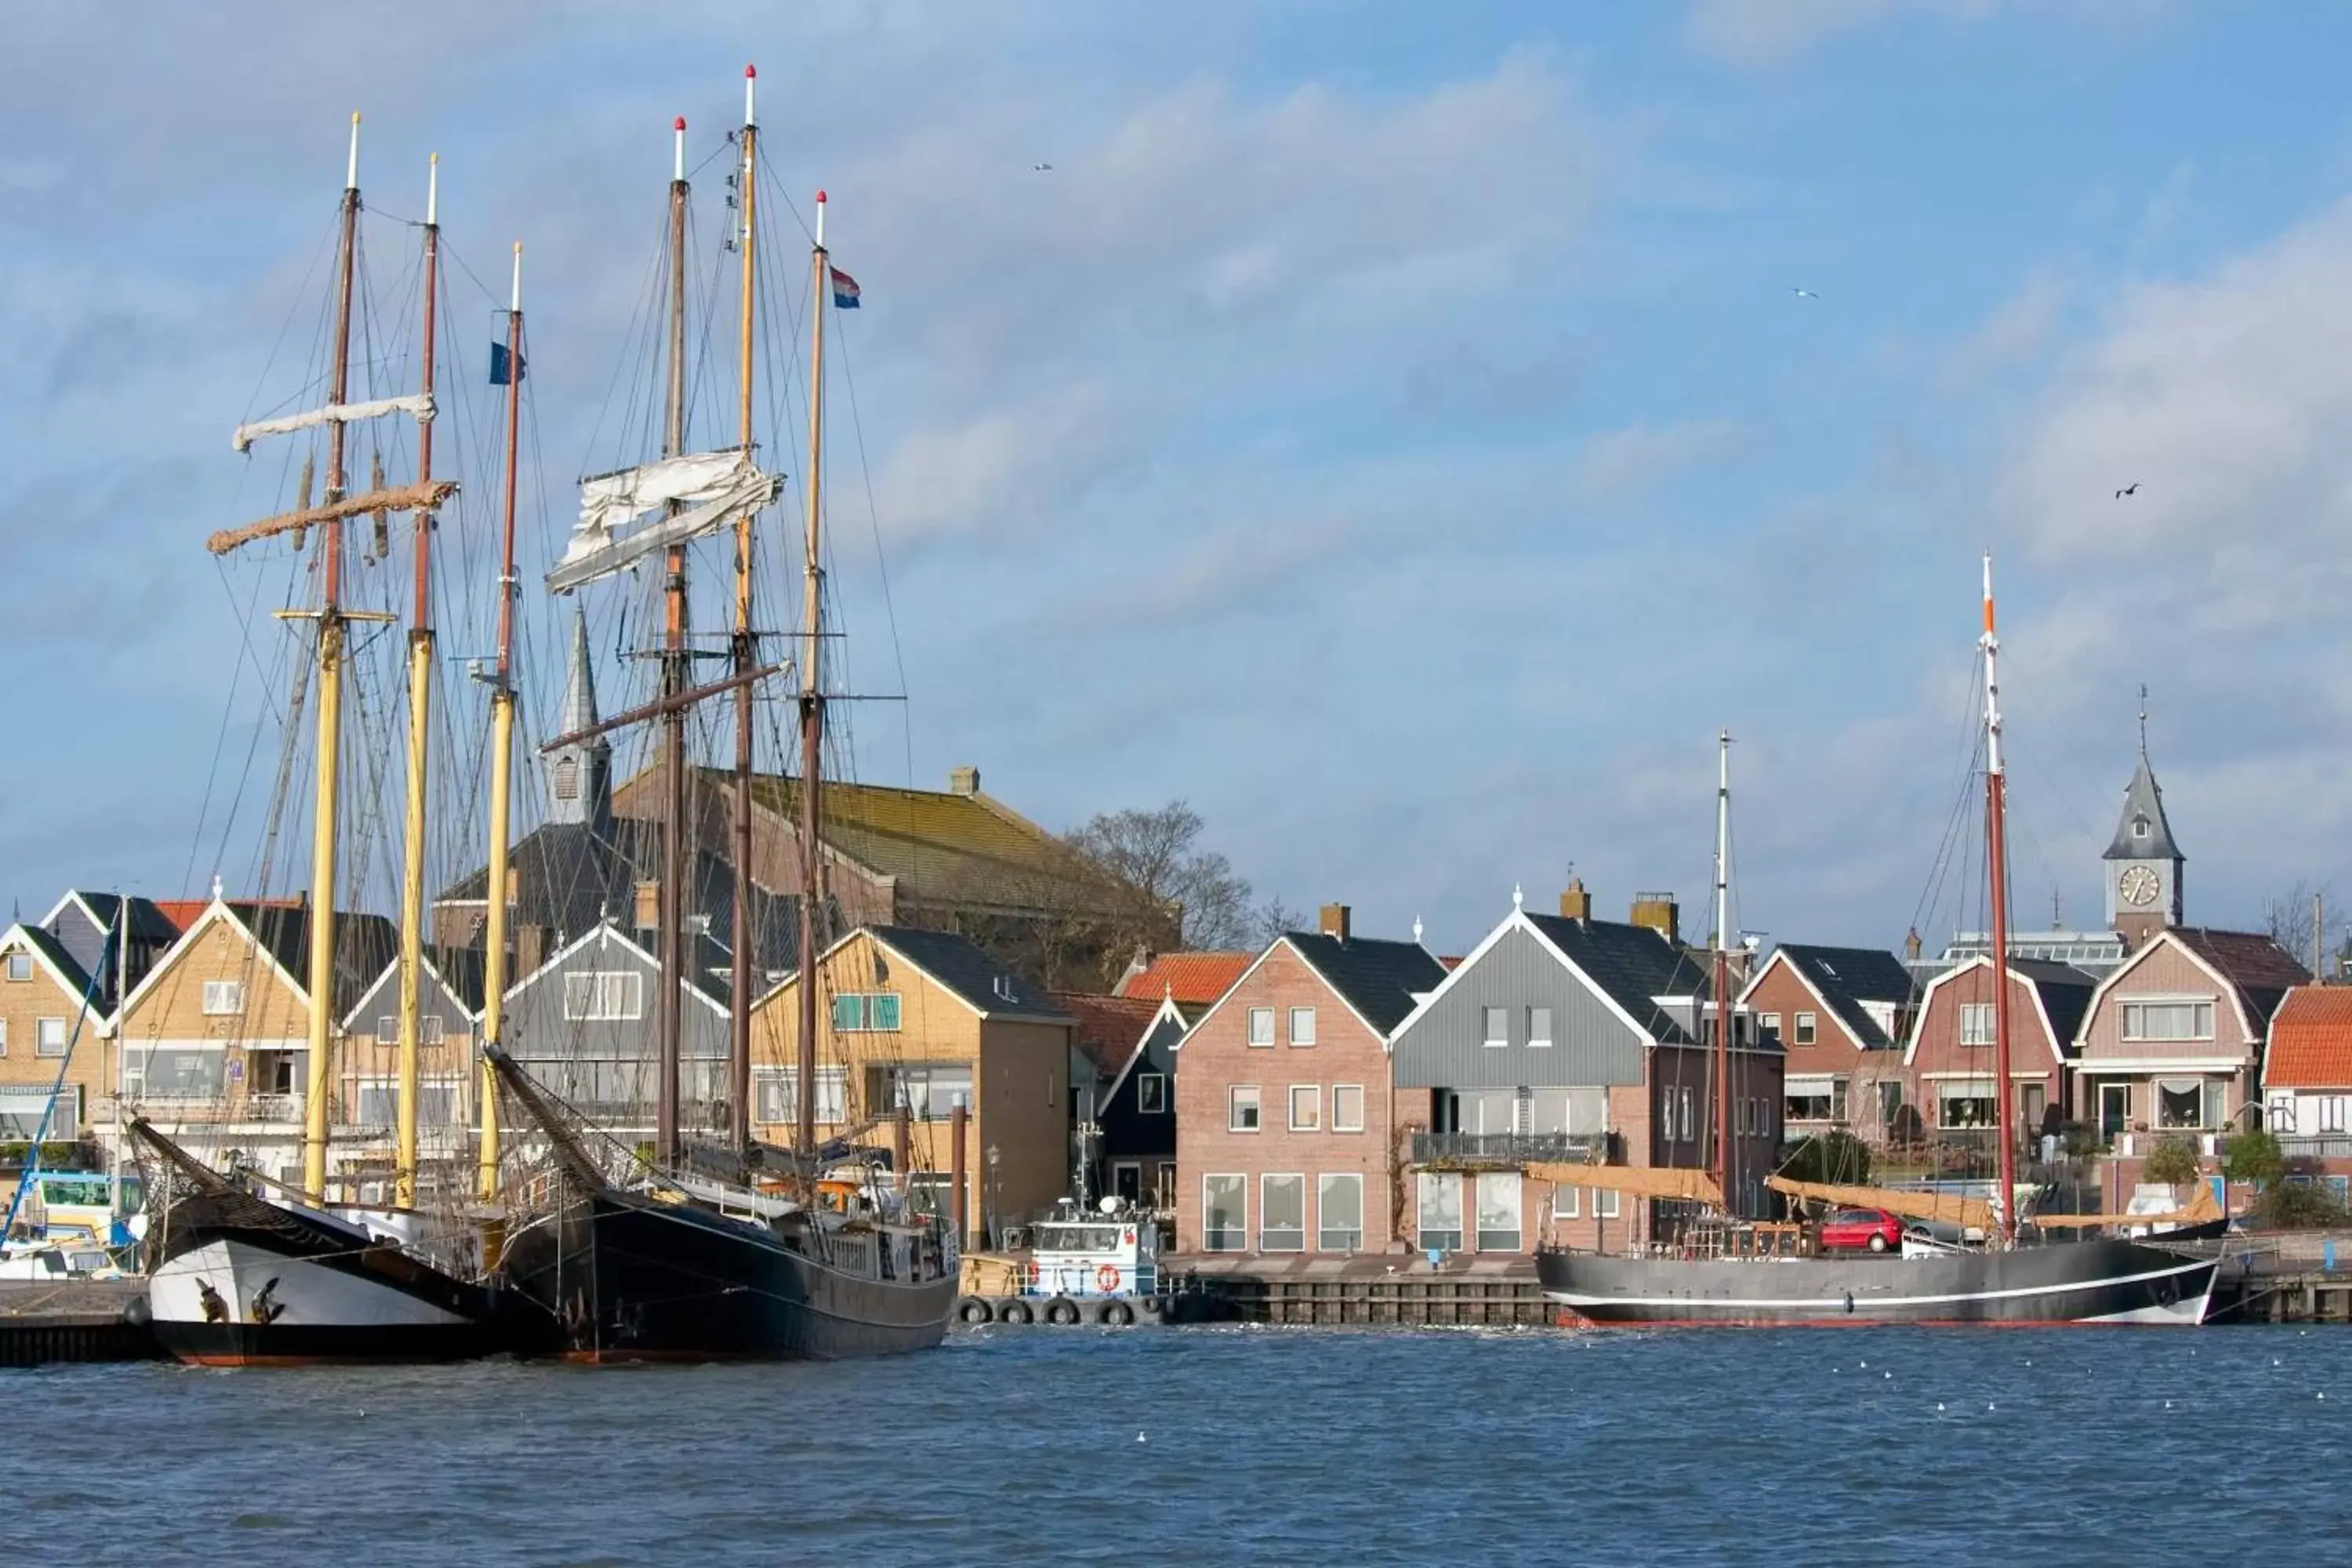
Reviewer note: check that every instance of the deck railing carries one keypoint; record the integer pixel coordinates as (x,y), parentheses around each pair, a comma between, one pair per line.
(1506,1148)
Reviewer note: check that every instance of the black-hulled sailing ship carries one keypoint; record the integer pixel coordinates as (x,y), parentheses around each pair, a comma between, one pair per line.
(725,1249)
(2019,1274)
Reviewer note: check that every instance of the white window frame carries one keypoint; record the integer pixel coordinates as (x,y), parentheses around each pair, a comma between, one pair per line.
(607,996)
(224,998)
(1302,1036)
(20,966)
(1564,1202)
(1314,1091)
(1144,1105)
(1690,1124)
(1300,1177)
(2280,1115)
(49,1037)
(1261,1028)
(1766,1024)
(1607,1202)
(1977,1023)
(1808,1029)
(2335,1110)
(1323,1184)
(1338,1092)
(4,1036)
(1539,1039)
(1234,1109)
(2133,1023)
(1240,1230)
(1495,1028)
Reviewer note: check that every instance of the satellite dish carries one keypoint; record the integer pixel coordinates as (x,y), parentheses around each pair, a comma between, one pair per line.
(1109,1204)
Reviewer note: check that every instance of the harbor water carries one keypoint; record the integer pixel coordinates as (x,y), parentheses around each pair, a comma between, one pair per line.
(1222,1446)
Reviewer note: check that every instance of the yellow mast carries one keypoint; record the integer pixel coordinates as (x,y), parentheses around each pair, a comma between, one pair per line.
(494,955)
(331,721)
(420,709)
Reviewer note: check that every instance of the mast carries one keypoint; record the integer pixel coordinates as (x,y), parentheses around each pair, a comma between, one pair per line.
(747,659)
(671,894)
(812,707)
(1722,982)
(1996,855)
(502,703)
(330,715)
(420,707)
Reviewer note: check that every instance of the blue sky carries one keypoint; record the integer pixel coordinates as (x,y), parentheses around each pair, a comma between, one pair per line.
(1396,434)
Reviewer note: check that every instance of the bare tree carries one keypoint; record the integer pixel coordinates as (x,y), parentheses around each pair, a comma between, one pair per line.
(1172,880)
(2289,917)
(1274,917)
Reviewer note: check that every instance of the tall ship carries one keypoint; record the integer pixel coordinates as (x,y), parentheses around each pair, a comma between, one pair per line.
(2021,1273)
(715,1247)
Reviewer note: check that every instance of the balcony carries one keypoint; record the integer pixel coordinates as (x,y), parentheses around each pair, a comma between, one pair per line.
(2316,1145)
(1469,1151)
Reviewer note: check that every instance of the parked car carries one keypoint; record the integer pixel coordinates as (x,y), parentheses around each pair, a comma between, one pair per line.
(1855,1230)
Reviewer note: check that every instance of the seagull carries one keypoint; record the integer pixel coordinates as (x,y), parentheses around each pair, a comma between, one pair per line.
(1804,293)
(2130,490)
(1043,168)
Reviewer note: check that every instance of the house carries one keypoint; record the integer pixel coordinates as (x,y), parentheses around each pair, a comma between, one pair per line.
(1123,1057)
(2172,1043)
(45,1028)
(213,1043)
(1947,1065)
(584,1024)
(367,1077)
(1187,979)
(84,924)
(1566,1038)
(927,1020)
(1284,1120)
(2307,1084)
(1842,1015)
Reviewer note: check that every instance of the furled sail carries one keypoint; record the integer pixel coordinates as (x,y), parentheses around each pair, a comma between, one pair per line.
(418,404)
(1634,1180)
(1950,1208)
(711,487)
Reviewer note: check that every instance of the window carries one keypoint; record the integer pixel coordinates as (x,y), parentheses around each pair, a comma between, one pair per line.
(1804,1028)
(1151,1093)
(49,1037)
(1339,1213)
(2140,827)
(1564,1205)
(1306,1108)
(858,1011)
(776,1097)
(1498,1026)
(603,995)
(20,966)
(567,778)
(1538,1029)
(224,997)
(1965,1105)
(151,1072)
(1282,1213)
(1690,1127)
(1976,1024)
(1243,1116)
(1224,1220)
(930,1094)
(2184,1102)
(1604,1202)
(1499,1210)
(2281,1113)
(1164,1192)
(1347,1108)
(1302,1025)
(1890,1102)
(2332,1112)
(379,1104)
(4,1036)
(1439,1211)
(1767,1025)
(1261,1026)
(2173,1019)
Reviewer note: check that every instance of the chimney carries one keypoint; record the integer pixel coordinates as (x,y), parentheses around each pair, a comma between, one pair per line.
(1911,944)
(1335,920)
(649,913)
(963,780)
(1660,914)
(1576,904)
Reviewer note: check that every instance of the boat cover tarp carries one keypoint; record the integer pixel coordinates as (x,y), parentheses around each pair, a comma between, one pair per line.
(418,403)
(710,486)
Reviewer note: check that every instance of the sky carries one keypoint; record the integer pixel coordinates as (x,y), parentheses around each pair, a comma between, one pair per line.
(1399,435)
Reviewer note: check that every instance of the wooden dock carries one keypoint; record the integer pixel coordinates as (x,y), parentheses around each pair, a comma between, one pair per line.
(79,1320)
(1375,1291)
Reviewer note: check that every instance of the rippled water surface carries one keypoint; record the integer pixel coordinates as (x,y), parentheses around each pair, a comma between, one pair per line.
(1217,1446)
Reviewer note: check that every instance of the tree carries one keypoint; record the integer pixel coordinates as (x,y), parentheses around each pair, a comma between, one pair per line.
(2253,1158)
(1274,917)
(2173,1162)
(2288,918)
(2299,1206)
(1169,879)
(1833,1157)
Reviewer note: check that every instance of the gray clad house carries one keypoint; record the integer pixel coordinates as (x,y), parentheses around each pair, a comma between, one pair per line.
(367,1094)
(584,1026)
(84,924)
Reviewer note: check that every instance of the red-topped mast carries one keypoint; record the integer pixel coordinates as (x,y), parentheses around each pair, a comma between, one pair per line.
(1997,856)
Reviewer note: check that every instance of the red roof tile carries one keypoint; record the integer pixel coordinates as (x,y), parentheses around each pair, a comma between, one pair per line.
(1191,978)
(1108,1026)
(2311,1039)
(182,912)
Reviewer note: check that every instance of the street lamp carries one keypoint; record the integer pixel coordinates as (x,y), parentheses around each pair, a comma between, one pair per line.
(993,1154)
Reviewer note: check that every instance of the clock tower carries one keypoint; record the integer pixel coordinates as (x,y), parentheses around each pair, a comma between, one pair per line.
(2143,863)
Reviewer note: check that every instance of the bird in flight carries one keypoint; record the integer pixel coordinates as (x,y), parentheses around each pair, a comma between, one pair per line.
(2130,490)
(1044,168)
(1804,293)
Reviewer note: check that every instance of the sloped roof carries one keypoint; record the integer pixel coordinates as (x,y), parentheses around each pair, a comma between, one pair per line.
(955,962)
(148,921)
(1108,1026)
(1377,978)
(2143,799)
(2065,993)
(1846,977)
(364,944)
(1194,979)
(1634,964)
(182,912)
(69,972)
(2311,1039)
(2258,968)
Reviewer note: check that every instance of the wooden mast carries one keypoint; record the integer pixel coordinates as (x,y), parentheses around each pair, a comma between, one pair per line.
(420,707)
(671,894)
(1996,855)
(502,704)
(1722,980)
(745,958)
(321,977)
(811,710)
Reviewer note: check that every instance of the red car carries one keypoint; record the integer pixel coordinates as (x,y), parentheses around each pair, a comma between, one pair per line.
(1856,1230)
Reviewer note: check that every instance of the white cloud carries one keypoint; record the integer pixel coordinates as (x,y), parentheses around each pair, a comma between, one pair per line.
(1622,462)
(2018,330)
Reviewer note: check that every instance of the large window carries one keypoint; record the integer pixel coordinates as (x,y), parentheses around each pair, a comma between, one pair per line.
(775,1092)
(1439,1213)
(224,998)
(1567,1110)
(1339,1213)
(2172,1019)
(1242,1115)
(929,1092)
(1282,1213)
(49,1037)
(1976,1024)
(164,1072)
(1966,1105)
(1347,1108)
(1261,1026)
(605,995)
(2189,1102)
(379,1104)
(1302,1025)
(1224,1218)
(1496,1026)
(1306,1108)
(1151,1093)
(866,1012)
(23,1106)
(1499,1210)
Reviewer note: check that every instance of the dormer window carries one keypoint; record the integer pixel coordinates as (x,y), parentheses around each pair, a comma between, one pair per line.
(2140,827)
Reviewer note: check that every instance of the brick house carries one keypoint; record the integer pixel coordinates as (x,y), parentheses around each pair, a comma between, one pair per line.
(1948,1063)
(2307,1084)
(43,1028)
(1842,1015)
(1285,1123)
(85,923)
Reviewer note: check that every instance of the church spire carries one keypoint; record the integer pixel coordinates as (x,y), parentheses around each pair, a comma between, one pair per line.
(579,775)
(2144,861)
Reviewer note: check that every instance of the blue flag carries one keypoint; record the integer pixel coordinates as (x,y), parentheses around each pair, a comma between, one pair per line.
(505,369)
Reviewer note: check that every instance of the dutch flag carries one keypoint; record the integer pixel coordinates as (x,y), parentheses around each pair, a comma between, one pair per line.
(845,289)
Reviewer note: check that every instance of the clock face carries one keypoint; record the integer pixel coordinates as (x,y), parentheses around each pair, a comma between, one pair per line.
(2139,887)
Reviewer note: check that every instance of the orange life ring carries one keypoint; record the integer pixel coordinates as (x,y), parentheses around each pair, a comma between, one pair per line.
(1107,1278)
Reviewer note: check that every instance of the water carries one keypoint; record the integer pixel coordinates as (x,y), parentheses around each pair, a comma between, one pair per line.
(1224,1446)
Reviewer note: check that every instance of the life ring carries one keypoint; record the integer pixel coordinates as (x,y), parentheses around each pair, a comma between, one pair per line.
(1106,1278)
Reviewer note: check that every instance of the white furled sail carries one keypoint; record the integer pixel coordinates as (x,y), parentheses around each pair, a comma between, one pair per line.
(711,486)
(416,405)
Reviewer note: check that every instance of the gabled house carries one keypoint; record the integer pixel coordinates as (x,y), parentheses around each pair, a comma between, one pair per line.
(1283,1121)
(1123,1055)
(2172,1043)
(2307,1083)
(927,1020)
(1566,1038)
(1843,1014)
(585,1026)
(449,1012)
(1949,1064)
(45,1026)
(84,923)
